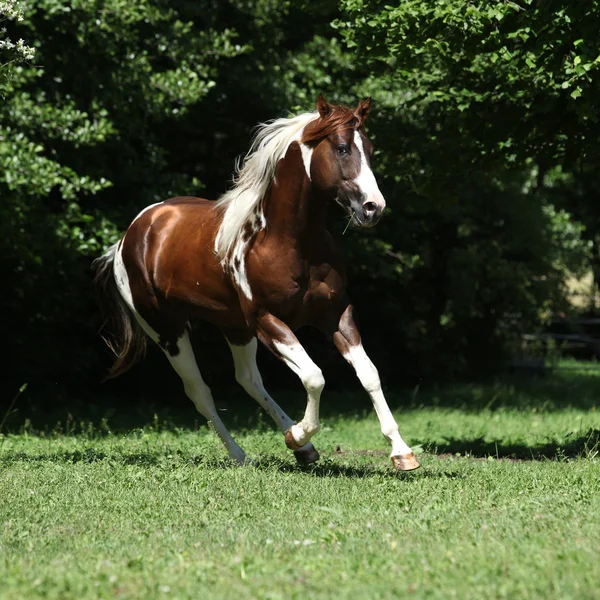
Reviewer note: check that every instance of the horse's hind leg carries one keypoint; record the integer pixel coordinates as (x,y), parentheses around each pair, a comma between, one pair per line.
(248,376)
(178,350)
(182,359)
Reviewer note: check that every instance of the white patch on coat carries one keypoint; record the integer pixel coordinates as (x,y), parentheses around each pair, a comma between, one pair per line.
(243,203)
(306,152)
(239,272)
(146,209)
(122,279)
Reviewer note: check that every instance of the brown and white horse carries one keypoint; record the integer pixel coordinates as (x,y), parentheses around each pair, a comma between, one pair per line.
(258,263)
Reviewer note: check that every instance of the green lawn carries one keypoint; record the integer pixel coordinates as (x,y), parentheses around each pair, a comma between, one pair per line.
(506,505)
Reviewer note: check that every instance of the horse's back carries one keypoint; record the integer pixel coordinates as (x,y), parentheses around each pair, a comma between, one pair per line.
(168,251)
(190,201)
(165,228)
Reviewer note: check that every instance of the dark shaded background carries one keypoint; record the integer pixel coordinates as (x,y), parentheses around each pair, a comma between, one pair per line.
(491,208)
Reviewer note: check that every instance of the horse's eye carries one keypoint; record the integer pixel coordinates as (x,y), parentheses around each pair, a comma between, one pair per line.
(343,150)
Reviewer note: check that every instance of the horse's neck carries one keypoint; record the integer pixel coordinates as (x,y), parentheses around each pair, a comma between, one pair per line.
(292,211)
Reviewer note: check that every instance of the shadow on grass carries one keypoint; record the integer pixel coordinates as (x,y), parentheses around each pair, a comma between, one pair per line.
(555,391)
(332,466)
(585,445)
(94,416)
(326,468)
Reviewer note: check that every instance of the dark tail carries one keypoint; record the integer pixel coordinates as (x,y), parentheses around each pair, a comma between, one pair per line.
(120,330)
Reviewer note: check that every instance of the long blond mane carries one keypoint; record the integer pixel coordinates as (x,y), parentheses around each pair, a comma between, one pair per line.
(253,177)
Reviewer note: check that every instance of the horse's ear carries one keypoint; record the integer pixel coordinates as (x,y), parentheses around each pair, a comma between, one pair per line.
(322,106)
(363,108)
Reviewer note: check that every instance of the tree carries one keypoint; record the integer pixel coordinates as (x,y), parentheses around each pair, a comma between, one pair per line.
(86,136)
(479,101)
(11,53)
(477,108)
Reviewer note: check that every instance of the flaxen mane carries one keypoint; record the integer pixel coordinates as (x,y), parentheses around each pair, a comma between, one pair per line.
(242,203)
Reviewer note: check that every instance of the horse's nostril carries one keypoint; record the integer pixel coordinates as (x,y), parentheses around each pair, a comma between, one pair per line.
(370,207)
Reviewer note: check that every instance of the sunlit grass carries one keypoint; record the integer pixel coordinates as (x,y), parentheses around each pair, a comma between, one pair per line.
(506,505)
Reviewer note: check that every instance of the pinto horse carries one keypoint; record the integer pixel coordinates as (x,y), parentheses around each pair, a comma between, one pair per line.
(259,263)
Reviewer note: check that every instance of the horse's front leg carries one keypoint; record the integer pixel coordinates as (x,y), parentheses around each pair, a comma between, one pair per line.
(348,342)
(280,339)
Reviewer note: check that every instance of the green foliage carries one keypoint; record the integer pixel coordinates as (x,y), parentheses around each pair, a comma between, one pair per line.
(11,52)
(484,121)
(101,110)
(475,104)
(507,70)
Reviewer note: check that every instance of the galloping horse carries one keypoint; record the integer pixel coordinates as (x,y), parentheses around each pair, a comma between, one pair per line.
(258,263)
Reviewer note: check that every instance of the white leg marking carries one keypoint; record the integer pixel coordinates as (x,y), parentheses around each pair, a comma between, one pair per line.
(311,376)
(369,378)
(199,393)
(184,364)
(366,181)
(248,376)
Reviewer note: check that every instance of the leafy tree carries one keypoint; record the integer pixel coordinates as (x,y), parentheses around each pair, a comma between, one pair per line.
(11,52)
(86,134)
(484,124)
(478,102)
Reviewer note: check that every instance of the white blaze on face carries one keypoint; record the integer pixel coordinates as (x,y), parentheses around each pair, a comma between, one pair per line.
(366,181)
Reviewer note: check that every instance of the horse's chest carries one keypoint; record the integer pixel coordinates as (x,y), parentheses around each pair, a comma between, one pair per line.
(293,294)
(291,285)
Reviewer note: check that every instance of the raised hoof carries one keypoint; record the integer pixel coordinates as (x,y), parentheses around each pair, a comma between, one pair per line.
(290,442)
(405,462)
(306,455)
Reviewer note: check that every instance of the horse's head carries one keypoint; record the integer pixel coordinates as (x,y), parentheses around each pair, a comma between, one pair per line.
(340,162)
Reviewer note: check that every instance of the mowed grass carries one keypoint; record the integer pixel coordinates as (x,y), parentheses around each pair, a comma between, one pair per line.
(506,504)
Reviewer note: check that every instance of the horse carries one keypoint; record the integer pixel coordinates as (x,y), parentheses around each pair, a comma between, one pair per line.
(258,263)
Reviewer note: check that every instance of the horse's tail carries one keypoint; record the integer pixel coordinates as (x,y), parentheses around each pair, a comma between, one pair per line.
(120,330)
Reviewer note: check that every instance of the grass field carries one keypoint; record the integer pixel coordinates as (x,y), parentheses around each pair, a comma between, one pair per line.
(506,505)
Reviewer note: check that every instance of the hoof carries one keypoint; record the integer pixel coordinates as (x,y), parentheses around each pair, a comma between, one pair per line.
(290,442)
(306,455)
(405,462)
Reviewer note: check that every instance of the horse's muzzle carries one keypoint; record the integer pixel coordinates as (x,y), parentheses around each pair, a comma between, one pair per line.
(366,214)
(371,213)
(364,210)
